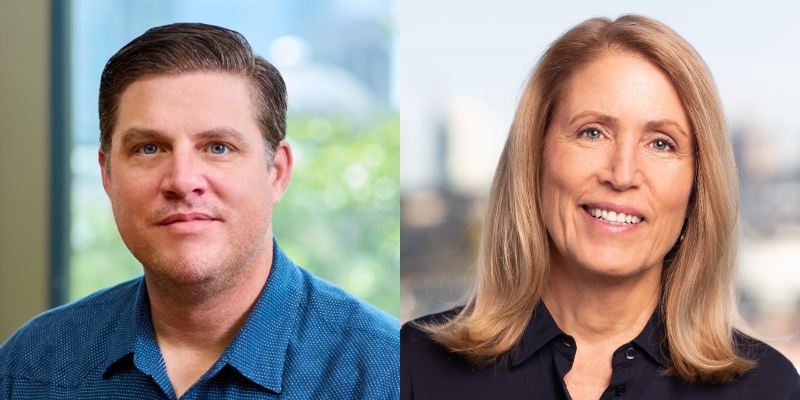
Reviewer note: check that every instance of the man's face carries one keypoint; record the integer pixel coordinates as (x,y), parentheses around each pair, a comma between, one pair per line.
(189,180)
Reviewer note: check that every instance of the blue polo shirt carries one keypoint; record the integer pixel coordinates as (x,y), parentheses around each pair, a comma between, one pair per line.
(305,339)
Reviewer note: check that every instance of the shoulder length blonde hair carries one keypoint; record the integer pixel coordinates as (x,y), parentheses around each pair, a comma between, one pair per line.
(698,304)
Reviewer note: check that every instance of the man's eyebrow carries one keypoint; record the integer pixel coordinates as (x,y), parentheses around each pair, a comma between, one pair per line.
(134,134)
(223,133)
(137,134)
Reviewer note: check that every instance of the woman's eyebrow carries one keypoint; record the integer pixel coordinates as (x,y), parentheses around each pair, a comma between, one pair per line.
(653,125)
(602,117)
(607,119)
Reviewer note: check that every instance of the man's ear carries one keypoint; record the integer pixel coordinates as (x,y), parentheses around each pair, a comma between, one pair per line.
(281,170)
(101,159)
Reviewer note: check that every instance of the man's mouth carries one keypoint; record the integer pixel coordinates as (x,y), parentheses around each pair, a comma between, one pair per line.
(185,217)
(612,217)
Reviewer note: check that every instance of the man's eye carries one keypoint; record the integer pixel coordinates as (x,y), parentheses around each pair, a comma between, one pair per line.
(592,134)
(219,148)
(149,149)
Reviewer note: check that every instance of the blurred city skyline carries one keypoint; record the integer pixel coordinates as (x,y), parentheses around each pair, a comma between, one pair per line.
(463,66)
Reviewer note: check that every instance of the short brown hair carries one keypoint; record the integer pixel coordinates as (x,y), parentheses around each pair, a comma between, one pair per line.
(194,47)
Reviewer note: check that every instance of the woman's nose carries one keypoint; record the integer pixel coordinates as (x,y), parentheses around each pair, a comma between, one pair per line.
(623,170)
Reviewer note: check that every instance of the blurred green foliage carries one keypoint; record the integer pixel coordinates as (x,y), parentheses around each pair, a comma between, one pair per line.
(99,259)
(338,219)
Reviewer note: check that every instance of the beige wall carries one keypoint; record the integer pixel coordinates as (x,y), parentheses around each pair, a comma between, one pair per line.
(24,160)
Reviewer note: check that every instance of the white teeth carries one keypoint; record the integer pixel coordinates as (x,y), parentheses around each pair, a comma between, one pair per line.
(614,218)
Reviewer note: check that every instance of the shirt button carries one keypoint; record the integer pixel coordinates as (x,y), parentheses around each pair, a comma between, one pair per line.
(630,353)
(620,390)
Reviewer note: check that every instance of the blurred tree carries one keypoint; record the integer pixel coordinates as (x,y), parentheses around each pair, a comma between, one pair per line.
(340,216)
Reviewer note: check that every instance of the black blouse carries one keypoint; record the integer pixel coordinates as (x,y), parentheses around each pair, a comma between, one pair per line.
(536,369)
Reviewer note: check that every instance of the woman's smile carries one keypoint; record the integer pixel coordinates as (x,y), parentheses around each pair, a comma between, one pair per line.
(613,217)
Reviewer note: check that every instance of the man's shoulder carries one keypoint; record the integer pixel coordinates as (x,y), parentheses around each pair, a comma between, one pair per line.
(333,311)
(351,347)
(59,344)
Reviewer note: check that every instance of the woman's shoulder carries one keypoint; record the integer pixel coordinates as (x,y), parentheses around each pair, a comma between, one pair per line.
(428,370)
(435,318)
(415,338)
(421,356)
(771,366)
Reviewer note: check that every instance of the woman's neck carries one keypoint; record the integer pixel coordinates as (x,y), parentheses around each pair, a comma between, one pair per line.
(596,308)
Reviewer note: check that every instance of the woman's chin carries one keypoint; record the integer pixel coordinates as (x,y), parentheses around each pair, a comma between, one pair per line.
(613,266)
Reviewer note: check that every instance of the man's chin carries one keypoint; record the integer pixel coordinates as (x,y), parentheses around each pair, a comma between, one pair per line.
(194,267)
(187,276)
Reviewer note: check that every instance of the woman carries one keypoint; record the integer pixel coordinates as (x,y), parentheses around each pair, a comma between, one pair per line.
(607,260)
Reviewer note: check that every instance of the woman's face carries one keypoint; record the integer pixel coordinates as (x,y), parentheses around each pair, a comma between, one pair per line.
(618,167)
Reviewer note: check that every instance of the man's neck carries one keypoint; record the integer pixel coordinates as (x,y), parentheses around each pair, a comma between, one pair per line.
(193,331)
(211,322)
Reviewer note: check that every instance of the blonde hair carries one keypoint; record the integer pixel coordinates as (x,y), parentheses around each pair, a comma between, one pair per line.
(698,304)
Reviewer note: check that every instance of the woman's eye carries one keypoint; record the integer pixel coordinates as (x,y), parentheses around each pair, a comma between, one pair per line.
(592,134)
(661,145)
(149,149)
(219,148)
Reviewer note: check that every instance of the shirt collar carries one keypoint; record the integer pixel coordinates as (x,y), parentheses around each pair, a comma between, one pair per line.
(134,335)
(542,328)
(259,349)
(651,338)
(123,339)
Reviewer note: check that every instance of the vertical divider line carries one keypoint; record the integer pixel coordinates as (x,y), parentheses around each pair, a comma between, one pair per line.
(60,149)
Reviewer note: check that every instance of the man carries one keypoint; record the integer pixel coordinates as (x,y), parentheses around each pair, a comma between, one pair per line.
(193,159)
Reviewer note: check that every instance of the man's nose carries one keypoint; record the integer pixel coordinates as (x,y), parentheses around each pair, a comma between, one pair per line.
(184,176)
(623,170)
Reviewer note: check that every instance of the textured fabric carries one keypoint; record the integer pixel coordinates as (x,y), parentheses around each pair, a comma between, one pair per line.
(536,369)
(305,339)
